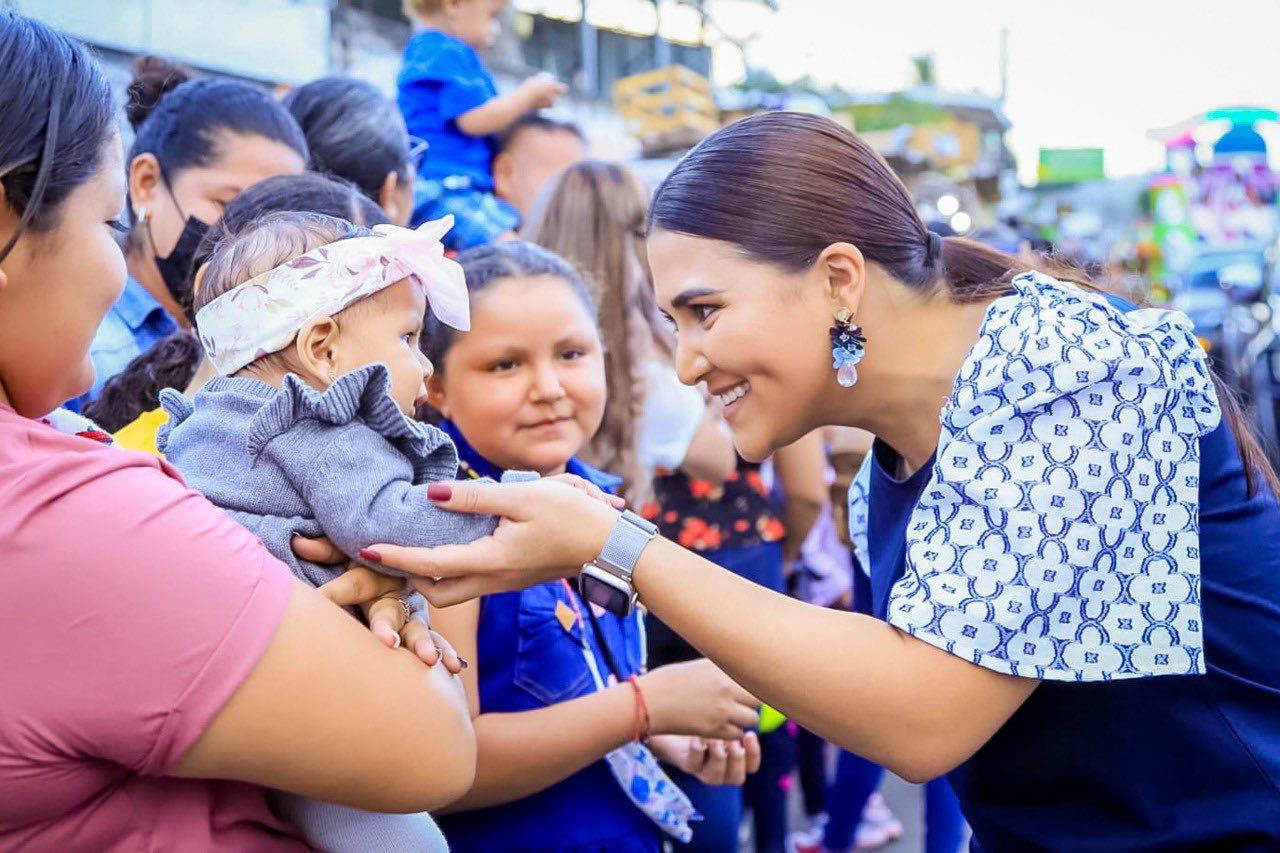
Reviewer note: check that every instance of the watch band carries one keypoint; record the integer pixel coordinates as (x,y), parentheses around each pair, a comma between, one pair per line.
(622,549)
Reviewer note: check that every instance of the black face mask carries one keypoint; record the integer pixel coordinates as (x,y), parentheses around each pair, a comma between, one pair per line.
(178,269)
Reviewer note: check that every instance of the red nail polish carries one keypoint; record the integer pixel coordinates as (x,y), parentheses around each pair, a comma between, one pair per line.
(370,555)
(439,491)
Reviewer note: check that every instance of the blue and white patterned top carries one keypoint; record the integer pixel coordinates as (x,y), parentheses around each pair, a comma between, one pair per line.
(1085,522)
(1059,537)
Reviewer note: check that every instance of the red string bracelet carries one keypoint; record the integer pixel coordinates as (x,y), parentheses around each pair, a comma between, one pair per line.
(642,711)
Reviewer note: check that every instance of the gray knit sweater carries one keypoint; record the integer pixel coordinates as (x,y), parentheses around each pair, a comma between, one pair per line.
(345,463)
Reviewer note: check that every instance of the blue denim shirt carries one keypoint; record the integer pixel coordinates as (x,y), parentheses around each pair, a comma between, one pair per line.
(133,324)
(529,659)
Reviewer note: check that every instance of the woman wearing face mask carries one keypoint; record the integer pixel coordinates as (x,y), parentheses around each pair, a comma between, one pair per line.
(197,145)
(1073,542)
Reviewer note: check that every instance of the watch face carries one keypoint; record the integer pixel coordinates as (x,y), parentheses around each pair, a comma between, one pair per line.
(603,593)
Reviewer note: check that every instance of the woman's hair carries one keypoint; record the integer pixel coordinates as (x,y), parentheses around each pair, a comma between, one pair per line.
(352,130)
(172,362)
(485,265)
(593,215)
(309,192)
(781,187)
(56,121)
(184,122)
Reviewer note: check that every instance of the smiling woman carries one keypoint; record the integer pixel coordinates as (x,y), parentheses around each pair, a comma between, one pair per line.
(1058,609)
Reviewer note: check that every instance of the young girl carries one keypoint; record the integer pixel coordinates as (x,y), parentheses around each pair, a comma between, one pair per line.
(313,324)
(559,695)
(670,444)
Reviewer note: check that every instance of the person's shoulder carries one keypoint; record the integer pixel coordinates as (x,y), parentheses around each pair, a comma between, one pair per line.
(435,51)
(1055,345)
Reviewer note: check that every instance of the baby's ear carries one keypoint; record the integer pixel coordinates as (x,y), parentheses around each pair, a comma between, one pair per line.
(436,396)
(316,348)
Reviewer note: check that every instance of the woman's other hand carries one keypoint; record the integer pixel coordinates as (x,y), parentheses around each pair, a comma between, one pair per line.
(547,530)
(712,762)
(697,698)
(381,598)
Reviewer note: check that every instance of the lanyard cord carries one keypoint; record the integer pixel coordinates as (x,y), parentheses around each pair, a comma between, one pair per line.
(609,659)
(574,598)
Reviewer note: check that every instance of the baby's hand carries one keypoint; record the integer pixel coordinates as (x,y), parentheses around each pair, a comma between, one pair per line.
(590,489)
(541,91)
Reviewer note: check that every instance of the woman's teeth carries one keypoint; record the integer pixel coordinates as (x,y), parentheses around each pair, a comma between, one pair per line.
(735,393)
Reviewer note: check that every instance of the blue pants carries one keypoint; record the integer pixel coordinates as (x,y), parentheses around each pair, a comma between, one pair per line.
(479,217)
(721,809)
(857,779)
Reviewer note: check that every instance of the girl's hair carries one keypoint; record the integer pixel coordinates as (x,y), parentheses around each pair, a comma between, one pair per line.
(172,362)
(593,215)
(183,122)
(308,192)
(56,121)
(266,243)
(485,265)
(352,130)
(781,187)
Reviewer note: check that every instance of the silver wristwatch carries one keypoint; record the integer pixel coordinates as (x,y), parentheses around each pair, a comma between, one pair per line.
(606,581)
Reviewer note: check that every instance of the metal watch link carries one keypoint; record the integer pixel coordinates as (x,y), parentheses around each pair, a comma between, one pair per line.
(606,581)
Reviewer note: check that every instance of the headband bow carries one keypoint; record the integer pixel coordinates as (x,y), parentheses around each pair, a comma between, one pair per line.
(264,314)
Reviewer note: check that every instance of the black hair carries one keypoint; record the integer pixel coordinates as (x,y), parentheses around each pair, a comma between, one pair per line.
(537,121)
(181,121)
(353,131)
(172,361)
(56,121)
(485,265)
(309,192)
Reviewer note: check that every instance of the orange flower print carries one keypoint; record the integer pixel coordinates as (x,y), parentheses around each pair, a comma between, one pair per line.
(700,489)
(772,530)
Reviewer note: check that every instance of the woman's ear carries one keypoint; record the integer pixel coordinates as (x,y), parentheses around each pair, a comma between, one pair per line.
(388,197)
(844,273)
(144,179)
(436,395)
(316,351)
(199,278)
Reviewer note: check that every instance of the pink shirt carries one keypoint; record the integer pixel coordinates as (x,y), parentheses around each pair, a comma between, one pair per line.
(131,609)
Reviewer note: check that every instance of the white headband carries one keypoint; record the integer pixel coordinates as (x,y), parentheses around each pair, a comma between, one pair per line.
(264,314)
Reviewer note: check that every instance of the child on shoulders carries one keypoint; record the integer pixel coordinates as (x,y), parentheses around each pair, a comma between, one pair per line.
(450,100)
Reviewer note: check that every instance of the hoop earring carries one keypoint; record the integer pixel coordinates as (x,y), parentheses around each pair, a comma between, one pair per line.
(848,345)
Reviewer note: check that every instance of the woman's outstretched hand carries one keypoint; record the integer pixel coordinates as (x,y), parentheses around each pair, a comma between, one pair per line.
(547,530)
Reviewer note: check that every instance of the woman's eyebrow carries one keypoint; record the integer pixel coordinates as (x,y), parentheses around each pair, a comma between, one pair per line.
(683,298)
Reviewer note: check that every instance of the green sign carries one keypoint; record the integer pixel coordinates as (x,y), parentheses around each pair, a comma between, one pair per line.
(1070,165)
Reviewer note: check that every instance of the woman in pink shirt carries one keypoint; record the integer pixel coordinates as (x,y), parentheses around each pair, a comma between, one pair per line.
(148,644)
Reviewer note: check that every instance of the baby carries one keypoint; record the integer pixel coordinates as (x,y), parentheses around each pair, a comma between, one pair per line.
(450,100)
(313,325)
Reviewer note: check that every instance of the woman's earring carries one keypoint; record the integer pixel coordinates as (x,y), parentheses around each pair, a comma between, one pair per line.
(848,345)
(333,377)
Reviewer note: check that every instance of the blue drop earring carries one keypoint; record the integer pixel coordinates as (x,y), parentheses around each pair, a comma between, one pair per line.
(848,345)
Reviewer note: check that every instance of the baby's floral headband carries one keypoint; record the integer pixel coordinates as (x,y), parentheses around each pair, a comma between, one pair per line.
(264,314)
